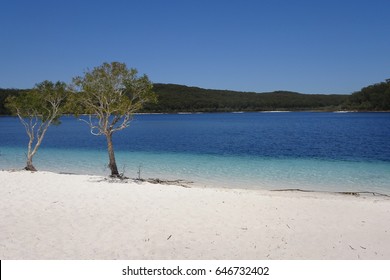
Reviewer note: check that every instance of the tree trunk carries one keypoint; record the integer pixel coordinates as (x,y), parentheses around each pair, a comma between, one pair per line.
(111,155)
(30,166)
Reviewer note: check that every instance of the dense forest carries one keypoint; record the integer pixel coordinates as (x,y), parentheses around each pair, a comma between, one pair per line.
(375,97)
(178,98)
(174,98)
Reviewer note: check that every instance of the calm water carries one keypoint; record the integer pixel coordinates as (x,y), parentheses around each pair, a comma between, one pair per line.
(321,151)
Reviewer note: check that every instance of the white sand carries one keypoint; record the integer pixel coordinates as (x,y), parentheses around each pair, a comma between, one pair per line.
(51,216)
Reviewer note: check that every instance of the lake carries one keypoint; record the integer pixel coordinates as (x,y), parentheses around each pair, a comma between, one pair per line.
(274,150)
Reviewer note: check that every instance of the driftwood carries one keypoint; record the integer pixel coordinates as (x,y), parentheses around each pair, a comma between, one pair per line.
(124,180)
(111,179)
(345,193)
(179,182)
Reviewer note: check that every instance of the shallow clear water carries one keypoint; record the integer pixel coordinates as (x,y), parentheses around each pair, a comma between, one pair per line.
(321,151)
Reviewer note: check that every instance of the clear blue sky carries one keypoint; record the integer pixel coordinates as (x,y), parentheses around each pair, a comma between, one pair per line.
(330,46)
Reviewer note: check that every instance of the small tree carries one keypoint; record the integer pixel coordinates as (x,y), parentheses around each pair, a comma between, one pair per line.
(37,110)
(111,94)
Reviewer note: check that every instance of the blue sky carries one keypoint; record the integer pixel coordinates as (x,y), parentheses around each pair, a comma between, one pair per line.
(265,45)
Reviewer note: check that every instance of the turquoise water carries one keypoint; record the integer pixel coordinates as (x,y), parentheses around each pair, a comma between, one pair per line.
(211,170)
(326,152)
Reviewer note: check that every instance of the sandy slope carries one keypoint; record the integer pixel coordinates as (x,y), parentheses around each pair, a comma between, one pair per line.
(53,216)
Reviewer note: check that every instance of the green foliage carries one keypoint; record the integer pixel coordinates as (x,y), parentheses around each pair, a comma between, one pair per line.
(375,97)
(4,94)
(177,98)
(44,101)
(111,90)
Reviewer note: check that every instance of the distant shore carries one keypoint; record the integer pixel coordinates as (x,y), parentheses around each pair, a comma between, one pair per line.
(174,98)
(46,215)
(239,112)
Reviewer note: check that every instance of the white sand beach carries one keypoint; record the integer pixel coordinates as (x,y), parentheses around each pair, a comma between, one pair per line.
(46,215)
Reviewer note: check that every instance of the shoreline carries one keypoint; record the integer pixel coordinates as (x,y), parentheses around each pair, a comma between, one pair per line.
(47,215)
(211,185)
(235,112)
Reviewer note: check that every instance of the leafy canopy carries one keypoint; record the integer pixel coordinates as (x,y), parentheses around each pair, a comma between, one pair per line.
(44,102)
(111,93)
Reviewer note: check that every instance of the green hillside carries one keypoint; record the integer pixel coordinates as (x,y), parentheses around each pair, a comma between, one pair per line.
(375,97)
(178,98)
(174,98)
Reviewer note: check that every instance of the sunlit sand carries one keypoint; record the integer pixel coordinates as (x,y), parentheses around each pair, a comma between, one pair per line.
(46,215)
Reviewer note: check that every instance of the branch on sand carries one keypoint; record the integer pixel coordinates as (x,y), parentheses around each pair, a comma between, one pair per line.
(124,180)
(345,193)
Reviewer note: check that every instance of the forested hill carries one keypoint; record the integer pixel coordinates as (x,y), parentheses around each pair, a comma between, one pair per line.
(179,98)
(375,97)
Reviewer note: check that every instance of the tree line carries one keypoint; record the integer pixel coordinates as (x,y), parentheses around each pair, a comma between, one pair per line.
(179,98)
(173,98)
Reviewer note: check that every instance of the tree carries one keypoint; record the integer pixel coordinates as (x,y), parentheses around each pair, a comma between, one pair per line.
(37,110)
(111,94)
